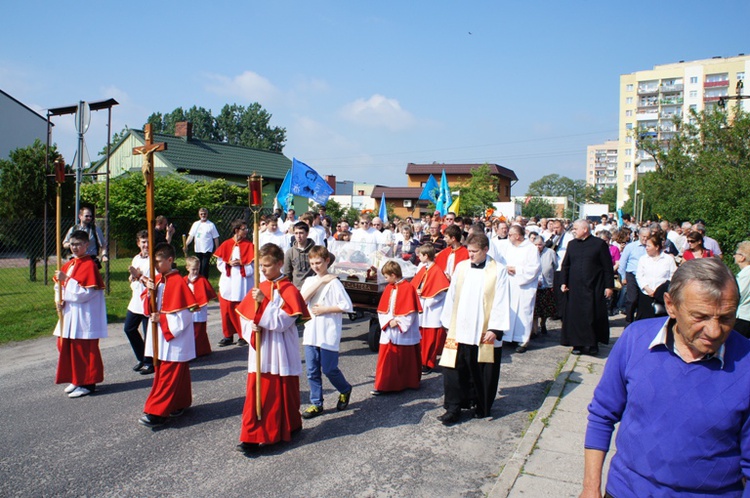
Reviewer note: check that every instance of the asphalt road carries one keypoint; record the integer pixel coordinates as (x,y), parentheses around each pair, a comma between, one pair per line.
(391,445)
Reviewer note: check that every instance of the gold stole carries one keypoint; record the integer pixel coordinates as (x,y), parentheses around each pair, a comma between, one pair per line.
(486,351)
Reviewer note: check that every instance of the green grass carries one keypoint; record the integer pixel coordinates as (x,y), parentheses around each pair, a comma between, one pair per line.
(27,309)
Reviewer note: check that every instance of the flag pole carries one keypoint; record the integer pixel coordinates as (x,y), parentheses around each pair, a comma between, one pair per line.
(255,200)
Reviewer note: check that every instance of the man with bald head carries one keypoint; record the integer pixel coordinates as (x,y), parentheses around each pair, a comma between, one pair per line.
(588,281)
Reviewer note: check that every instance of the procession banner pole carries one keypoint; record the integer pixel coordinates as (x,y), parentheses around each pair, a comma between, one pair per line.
(147,168)
(59,180)
(255,199)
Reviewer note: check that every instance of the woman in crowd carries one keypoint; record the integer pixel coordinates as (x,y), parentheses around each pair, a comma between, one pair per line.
(545,306)
(742,258)
(695,248)
(655,270)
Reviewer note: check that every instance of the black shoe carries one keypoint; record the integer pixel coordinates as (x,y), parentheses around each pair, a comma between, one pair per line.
(248,449)
(576,351)
(147,370)
(478,414)
(138,366)
(521,349)
(312,412)
(177,413)
(375,392)
(593,351)
(343,401)
(543,329)
(449,418)
(242,342)
(226,341)
(151,420)
(426,370)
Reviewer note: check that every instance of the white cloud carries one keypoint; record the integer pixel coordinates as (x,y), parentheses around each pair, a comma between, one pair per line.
(248,86)
(379,112)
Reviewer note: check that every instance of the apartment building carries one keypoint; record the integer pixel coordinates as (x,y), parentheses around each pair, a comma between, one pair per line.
(601,165)
(650,100)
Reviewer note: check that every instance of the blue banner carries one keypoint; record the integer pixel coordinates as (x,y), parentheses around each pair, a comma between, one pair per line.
(285,197)
(431,190)
(383,214)
(306,182)
(445,199)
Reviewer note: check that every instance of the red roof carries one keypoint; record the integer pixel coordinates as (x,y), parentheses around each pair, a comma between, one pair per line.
(396,192)
(457,169)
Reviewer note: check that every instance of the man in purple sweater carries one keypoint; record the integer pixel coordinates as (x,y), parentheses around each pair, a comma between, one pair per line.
(680,389)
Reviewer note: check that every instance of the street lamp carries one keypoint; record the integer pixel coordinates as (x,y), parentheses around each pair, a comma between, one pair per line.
(637,163)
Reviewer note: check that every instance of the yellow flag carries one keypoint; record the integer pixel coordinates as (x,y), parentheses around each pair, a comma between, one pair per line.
(454,207)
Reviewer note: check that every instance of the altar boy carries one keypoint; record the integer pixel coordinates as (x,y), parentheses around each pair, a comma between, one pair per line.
(273,308)
(171,393)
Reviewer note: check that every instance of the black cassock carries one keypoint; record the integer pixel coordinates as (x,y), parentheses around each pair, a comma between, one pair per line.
(587,271)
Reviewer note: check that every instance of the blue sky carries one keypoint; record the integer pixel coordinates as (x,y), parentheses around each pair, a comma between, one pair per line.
(365,87)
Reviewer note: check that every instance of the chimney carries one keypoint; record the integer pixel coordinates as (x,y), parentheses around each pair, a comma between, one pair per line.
(184,129)
(331,180)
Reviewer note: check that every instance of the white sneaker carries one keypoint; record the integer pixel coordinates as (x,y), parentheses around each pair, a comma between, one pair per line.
(70,388)
(78,392)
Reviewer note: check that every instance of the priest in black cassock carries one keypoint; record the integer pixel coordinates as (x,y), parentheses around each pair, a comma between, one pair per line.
(588,280)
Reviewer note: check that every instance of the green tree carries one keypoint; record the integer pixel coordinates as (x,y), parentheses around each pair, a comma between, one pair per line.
(609,197)
(478,193)
(235,124)
(554,185)
(703,172)
(538,207)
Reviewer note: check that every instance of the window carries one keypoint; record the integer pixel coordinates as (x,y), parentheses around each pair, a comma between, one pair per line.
(628,140)
(628,152)
(693,93)
(628,100)
(628,179)
(628,165)
(629,87)
(693,79)
(741,76)
(628,113)
(628,126)
(693,107)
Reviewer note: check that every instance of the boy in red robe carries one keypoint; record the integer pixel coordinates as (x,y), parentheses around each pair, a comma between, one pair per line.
(448,258)
(84,320)
(203,292)
(171,393)
(399,357)
(431,284)
(273,308)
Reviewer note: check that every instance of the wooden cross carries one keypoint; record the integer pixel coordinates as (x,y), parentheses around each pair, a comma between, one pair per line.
(148,177)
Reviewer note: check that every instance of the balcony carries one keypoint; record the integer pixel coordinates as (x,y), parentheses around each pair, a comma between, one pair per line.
(671,88)
(648,90)
(647,116)
(670,115)
(712,84)
(711,99)
(672,101)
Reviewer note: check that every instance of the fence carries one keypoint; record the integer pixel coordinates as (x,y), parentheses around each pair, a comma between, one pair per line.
(28,262)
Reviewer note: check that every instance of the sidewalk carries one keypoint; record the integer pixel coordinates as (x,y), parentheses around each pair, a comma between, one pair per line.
(549,460)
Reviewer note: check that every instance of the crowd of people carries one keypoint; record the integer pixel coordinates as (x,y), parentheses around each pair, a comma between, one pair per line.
(500,279)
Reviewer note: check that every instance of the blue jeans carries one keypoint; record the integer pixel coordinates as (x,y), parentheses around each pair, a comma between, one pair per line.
(318,359)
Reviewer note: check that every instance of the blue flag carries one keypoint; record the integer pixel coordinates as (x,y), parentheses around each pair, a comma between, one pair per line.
(285,197)
(383,213)
(445,199)
(306,182)
(430,191)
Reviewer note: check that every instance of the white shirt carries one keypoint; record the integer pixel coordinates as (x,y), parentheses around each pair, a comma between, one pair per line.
(324,331)
(278,237)
(180,323)
(234,287)
(136,305)
(318,234)
(203,233)
(652,272)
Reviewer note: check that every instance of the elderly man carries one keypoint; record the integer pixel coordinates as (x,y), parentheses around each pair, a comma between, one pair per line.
(678,388)
(628,266)
(588,280)
(558,242)
(434,237)
(523,265)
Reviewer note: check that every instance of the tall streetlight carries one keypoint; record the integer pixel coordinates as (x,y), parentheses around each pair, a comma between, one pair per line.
(637,163)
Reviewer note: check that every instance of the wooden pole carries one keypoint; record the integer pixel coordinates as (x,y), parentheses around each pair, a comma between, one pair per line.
(254,184)
(59,180)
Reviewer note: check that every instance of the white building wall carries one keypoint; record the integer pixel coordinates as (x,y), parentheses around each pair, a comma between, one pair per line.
(19,126)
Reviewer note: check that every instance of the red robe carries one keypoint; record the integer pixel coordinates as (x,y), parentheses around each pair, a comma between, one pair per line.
(230,321)
(80,360)
(441,259)
(429,282)
(247,253)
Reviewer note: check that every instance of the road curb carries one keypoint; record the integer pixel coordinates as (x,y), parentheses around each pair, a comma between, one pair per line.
(515,463)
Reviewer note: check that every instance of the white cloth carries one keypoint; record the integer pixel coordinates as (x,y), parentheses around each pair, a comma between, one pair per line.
(498,248)
(203,233)
(562,247)
(365,240)
(600,227)
(234,287)
(406,333)
(548,258)
(279,343)
(318,235)
(180,323)
(84,313)
(522,289)
(278,237)
(324,331)
(652,272)
(136,305)
(201,314)
(470,313)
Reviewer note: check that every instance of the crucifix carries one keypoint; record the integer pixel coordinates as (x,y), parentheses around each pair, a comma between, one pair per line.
(147,169)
